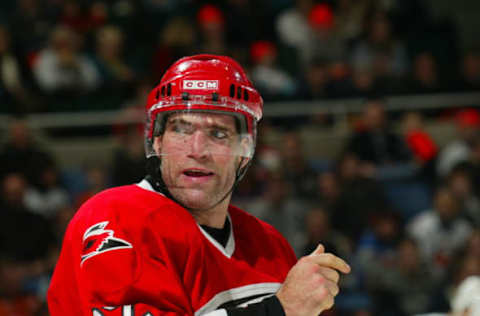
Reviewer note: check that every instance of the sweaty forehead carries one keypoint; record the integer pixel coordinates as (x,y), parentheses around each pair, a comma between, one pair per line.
(203,118)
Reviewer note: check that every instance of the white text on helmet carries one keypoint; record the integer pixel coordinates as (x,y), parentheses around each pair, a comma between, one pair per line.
(200,84)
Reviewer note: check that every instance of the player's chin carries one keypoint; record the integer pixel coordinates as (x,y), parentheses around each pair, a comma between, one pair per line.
(194,198)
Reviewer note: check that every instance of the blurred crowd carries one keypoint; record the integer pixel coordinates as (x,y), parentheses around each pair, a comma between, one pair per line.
(403,210)
(77,55)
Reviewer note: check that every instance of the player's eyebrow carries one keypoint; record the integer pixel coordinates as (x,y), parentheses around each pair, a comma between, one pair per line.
(222,127)
(177,120)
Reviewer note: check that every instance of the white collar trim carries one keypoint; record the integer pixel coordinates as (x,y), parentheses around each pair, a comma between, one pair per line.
(144,184)
(229,248)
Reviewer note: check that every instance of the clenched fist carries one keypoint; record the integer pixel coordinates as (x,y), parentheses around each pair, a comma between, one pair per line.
(312,284)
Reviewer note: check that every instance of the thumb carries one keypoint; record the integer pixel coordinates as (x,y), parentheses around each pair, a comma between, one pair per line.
(320,249)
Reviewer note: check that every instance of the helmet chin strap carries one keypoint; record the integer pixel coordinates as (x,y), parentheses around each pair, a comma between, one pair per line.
(155,174)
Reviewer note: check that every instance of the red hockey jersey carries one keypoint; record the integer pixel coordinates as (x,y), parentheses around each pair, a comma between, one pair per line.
(132,251)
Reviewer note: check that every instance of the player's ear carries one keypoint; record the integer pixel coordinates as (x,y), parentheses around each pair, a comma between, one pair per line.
(246,146)
(157,144)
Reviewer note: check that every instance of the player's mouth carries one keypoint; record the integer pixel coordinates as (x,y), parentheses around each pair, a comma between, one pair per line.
(197,173)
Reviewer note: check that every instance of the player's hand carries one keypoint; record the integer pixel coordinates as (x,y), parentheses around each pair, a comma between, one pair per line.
(312,284)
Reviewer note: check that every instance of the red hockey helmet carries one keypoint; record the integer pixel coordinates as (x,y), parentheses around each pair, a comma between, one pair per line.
(204,83)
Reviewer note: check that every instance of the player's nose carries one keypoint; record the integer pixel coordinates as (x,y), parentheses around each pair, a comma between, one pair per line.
(198,146)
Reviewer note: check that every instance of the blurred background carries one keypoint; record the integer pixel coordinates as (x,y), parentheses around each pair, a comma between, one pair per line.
(370,141)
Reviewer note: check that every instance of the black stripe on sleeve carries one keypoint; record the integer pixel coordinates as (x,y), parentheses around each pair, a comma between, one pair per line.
(268,307)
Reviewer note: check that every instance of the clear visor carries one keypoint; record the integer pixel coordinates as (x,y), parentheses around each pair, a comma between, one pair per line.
(200,134)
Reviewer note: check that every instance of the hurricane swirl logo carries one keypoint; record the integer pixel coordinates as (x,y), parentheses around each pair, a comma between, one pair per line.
(97,240)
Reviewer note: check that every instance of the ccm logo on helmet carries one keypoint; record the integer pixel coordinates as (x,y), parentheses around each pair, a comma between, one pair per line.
(200,84)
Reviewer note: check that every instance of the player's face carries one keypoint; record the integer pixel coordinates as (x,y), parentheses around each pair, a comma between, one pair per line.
(199,157)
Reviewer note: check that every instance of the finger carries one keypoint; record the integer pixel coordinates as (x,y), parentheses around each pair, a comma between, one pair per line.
(329,302)
(331,261)
(332,287)
(320,249)
(329,274)
(324,297)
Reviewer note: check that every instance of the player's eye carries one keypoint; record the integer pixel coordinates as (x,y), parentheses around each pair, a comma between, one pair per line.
(181,128)
(219,134)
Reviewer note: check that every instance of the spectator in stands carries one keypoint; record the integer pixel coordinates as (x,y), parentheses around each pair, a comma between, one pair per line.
(30,25)
(298,171)
(176,39)
(466,300)
(403,285)
(14,300)
(419,141)
(74,16)
(422,146)
(458,151)
(362,83)
(360,197)
(284,210)
(62,69)
(316,82)
(211,22)
(250,188)
(326,44)
(117,76)
(465,265)
(349,18)
(294,30)
(25,242)
(318,230)
(14,96)
(468,265)
(472,246)
(469,72)
(374,142)
(128,165)
(379,49)
(46,197)
(268,157)
(379,240)
(440,231)
(472,167)
(133,107)
(273,82)
(98,15)
(21,153)
(24,236)
(328,190)
(459,181)
(375,250)
(425,77)
(96,181)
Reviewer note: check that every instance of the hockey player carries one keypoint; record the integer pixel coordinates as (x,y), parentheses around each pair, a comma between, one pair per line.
(172,244)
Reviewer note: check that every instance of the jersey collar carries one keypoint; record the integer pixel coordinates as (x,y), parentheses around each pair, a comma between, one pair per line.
(229,248)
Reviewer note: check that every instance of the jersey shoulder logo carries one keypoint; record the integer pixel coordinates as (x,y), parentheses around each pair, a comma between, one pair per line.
(97,239)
